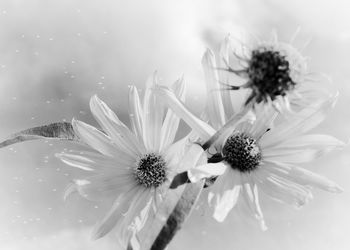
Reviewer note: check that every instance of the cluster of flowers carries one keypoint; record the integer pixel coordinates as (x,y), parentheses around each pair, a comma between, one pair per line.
(261,101)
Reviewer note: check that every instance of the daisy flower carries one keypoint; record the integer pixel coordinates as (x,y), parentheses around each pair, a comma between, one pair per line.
(251,156)
(269,72)
(133,167)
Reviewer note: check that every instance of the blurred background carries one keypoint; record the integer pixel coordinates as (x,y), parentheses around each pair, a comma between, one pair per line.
(54,55)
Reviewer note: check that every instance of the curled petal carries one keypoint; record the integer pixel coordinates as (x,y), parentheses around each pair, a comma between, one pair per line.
(205,171)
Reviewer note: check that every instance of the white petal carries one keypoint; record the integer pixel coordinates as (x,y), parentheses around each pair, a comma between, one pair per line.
(94,138)
(89,163)
(153,116)
(224,194)
(282,190)
(302,149)
(135,112)
(117,130)
(231,52)
(304,177)
(251,197)
(171,121)
(190,158)
(119,207)
(214,105)
(104,186)
(264,120)
(137,214)
(302,122)
(205,171)
(70,189)
(224,59)
(204,130)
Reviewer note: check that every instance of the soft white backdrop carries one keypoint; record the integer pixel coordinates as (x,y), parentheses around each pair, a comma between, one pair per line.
(55,54)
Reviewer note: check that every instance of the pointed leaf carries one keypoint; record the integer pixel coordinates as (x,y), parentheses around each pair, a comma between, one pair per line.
(57,130)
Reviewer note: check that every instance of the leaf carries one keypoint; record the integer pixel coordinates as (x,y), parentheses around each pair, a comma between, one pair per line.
(57,130)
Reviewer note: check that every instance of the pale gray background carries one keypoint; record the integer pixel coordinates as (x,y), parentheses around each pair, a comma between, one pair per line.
(55,54)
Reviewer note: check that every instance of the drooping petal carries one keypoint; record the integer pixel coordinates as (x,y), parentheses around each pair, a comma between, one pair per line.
(120,134)
(214,108)
(135,112)
(224,194)
(203,129)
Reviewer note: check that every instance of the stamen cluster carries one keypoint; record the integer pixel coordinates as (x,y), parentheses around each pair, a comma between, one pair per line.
(269,74)
(151,170)
(242,152)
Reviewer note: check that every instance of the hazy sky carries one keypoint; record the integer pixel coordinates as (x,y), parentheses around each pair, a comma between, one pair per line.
(54,55)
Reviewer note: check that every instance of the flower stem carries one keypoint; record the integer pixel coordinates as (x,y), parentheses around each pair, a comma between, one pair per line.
(229,124)
(178,216)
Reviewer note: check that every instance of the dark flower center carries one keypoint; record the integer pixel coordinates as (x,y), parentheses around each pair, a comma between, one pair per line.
(242,152)
(269,74)
(151,170)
